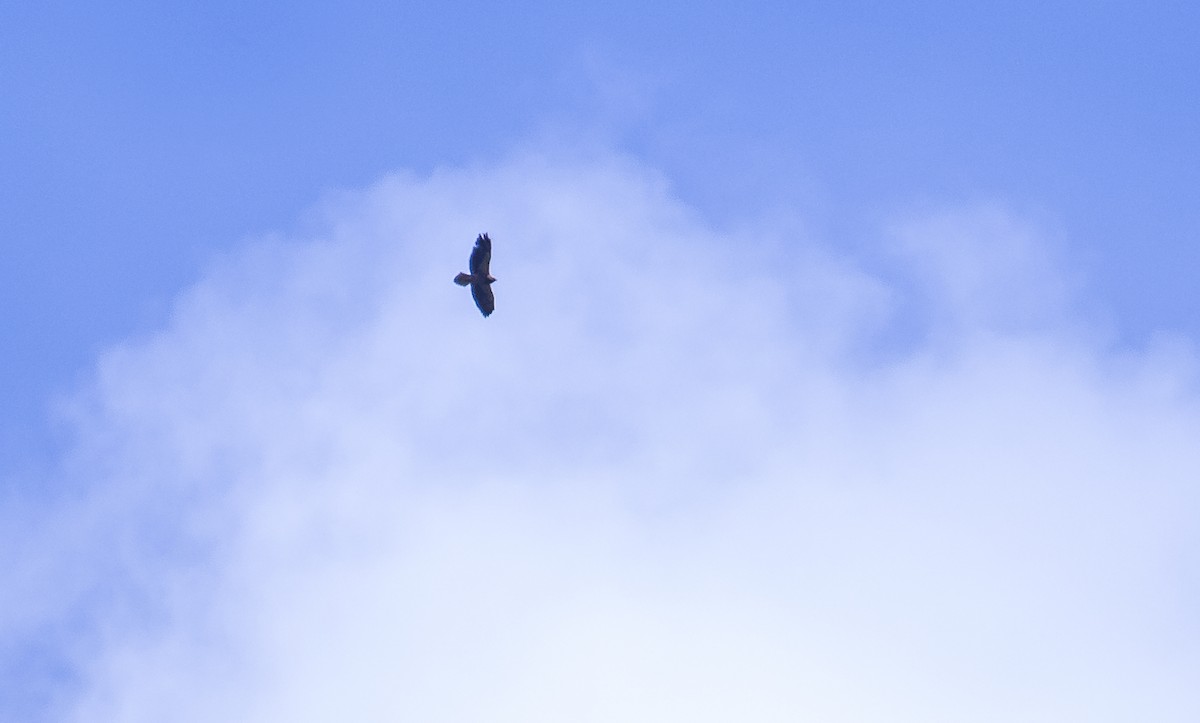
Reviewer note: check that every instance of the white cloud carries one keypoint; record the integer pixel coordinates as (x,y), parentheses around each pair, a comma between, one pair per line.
(667,480)
(982,268)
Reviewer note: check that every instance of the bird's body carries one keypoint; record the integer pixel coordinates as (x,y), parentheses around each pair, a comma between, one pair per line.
(480,279)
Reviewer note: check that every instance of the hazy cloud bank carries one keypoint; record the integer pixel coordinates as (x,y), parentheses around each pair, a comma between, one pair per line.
(673,478)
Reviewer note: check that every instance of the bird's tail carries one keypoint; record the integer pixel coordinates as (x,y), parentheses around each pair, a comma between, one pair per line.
(462,279)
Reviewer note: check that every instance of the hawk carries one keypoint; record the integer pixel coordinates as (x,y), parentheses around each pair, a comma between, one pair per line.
(479,279)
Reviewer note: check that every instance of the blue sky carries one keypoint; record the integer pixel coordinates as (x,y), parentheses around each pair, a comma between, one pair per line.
(226,231)
(139,140)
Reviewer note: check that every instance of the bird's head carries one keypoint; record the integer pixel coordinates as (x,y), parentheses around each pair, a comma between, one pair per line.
(491,279)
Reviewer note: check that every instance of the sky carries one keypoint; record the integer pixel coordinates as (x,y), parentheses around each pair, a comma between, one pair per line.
(844,364)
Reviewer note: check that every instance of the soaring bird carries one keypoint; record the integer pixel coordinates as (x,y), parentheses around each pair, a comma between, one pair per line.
(479,279)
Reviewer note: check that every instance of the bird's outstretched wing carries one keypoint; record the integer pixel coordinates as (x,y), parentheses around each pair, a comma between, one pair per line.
(482,293)
(481,257)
